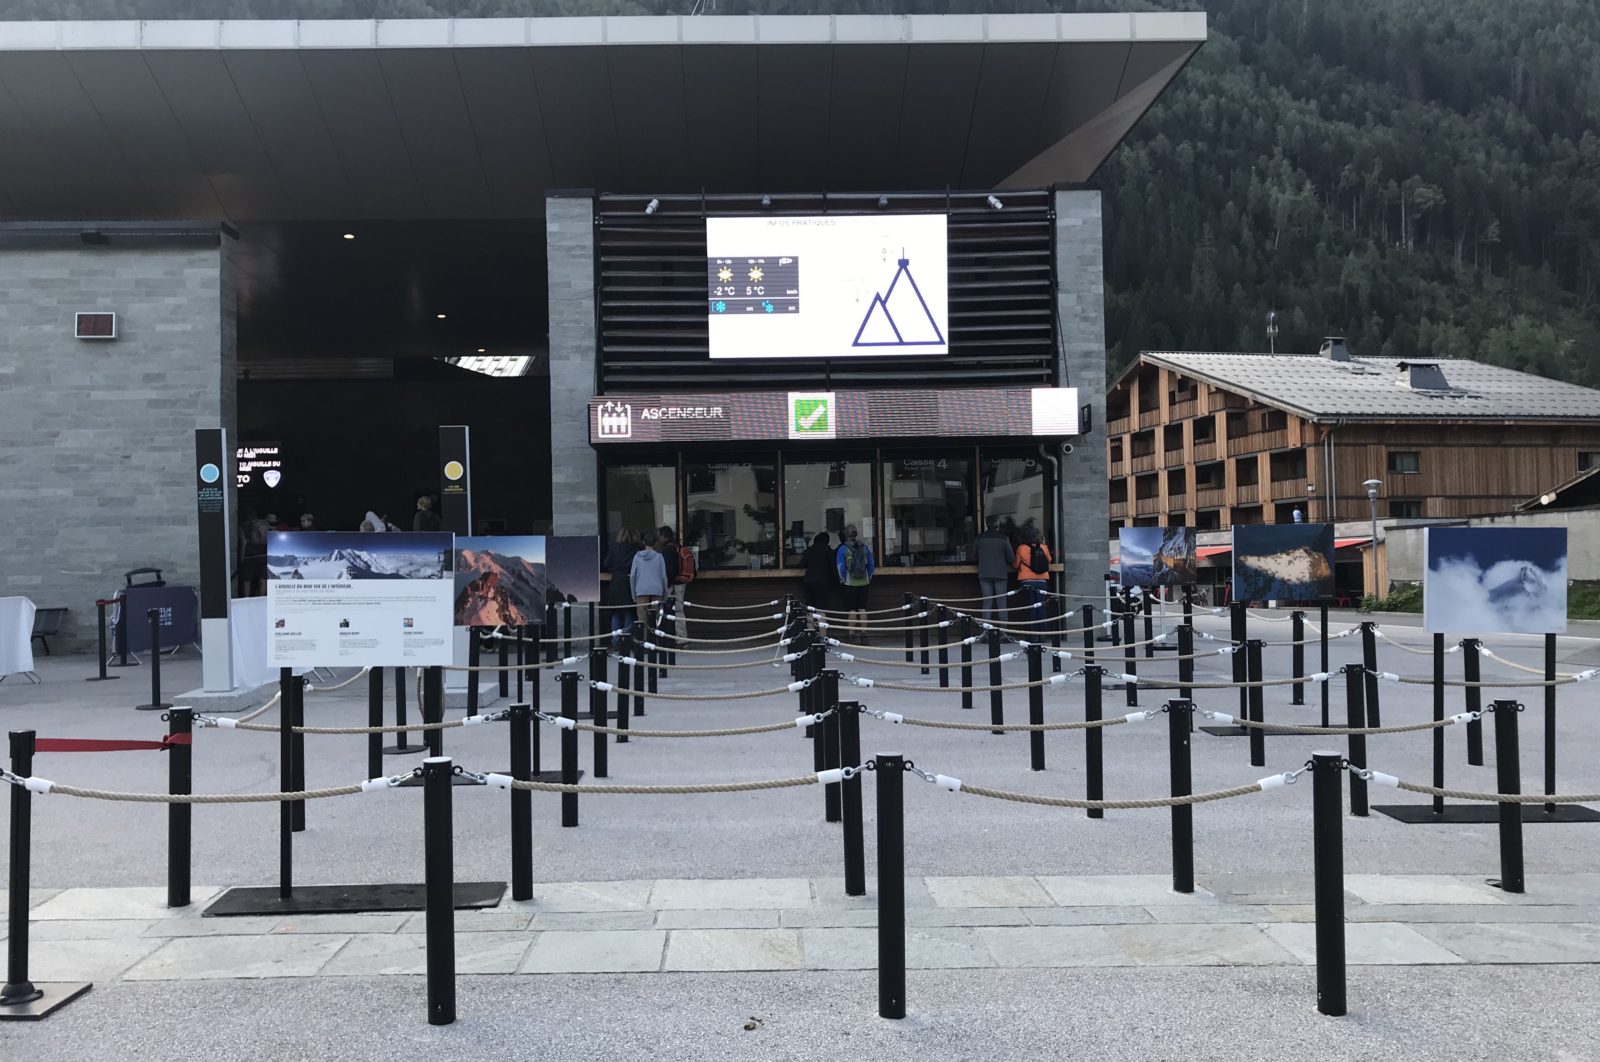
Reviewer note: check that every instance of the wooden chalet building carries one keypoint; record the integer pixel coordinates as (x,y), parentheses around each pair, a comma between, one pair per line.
(1209,440)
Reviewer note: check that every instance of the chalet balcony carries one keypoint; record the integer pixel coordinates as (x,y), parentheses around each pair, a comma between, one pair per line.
(1119,426)
(1256,441)
(1116,466)
(1204,451)
(1177,503)
(1149,418)
(1173,458)
(1210,497)
(1183,410)
(1284,489)
(1144,463)
(1248,495)
(1119,509)
(1150,506)
(1225,400)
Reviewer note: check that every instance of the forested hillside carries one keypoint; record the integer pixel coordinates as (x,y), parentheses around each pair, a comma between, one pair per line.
(1422,176)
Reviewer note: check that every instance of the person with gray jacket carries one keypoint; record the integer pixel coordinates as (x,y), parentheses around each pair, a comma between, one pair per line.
(992,548)
(647,578)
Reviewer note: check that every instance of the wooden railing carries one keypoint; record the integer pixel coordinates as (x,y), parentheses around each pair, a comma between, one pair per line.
(1256,441)
(1188,407)
(1288,488)
(1210,497)
(1117,466)
(1119,509)
(1147,463)
(1147,506)
(1204,451)
(1177,502)
(1119,426)
(1149,418)
(1247,494)
(1225,400)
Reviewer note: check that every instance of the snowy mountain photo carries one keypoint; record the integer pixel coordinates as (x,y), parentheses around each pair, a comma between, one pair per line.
(339,556)
(500,580)
(1495,580)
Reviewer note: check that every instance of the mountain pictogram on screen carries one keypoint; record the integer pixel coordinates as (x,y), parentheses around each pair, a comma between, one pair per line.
(899,317)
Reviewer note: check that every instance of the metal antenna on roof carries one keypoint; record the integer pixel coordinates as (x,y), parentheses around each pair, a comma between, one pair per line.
(1272,331)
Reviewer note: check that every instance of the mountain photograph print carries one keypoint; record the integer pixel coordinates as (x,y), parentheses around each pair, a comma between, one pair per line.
(1156,556)
(343,556)
(1282,562)
(500,580)
(1495,580)
(572,567)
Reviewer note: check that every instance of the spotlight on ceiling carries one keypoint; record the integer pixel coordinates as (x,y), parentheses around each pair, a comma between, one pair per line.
(440,316)
(766,200)
(883,201)
(349,235)
(480,350)
(650,207)
(995,203)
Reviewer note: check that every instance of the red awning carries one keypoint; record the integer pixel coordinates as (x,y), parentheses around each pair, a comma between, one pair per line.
(1341,543)
(1212,551)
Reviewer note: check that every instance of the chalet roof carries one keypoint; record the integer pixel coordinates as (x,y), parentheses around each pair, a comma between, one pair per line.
(1376,389)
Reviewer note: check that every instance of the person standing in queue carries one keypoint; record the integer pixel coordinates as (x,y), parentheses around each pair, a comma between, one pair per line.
(647,578)
(1033,562)
(993,550)
(667,546)
(619,594)
(856,566)
(426,519)
(820,570)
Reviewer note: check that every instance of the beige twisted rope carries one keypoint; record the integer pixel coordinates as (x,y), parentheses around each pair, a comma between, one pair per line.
(337,686)
(721,652)
(513,668)
(276,697)
(202,798)
(1502,798)
(700,667)
(763,618)
(964,689)
(1115,805)
(1284,728)
(681,640)
(1521,684)
(447,724)
(668,790)
(743,696)
(1087,724)
(1403,648)
(769,728)
(775,602)
(1492,655)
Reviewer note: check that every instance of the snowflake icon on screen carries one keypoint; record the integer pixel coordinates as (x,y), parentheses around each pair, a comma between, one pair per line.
(767,306)
(720,306)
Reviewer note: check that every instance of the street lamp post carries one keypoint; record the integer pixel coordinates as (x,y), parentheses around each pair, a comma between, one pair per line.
(1372,486)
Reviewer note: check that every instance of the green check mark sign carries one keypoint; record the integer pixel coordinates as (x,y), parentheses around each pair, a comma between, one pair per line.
(811,416)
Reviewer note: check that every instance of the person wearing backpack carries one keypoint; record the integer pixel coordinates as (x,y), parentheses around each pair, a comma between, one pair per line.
(1033,572)
(680,573)
(820,570)
(992,549)
(856,567)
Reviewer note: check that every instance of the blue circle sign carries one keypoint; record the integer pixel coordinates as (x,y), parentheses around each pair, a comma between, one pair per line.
(210,473)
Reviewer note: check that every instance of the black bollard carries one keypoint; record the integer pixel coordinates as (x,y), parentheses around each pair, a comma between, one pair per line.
(521,671)
(297,778)
(1438,717)
(1369,658)
(597,710)
(474,655)
(1356,716)
(908,611)
(1186,662)
(637,678)
(21,999)
(966,661)
(374,718)
(828,738)
(1297,655)
(922,607)
(1088,634)
(1182,782)
(1508,771)
(1149,624)
(1130,654)
(594,620)
(520,728)
(1327,861)
(1474,694)
(100,609)
(1093,763)
(1239,633)
(433,708)
(855,858)
(180,779)
(287,680)
(1257,702)
(651,658)
(623,711)
(569,746)
(505,664)
(890,769)
(402,743)
(566,626)
(997,708)
(1322,620)
(552,643)
(438,863)
(1058,611)
(810,701)
(1549,719)
(1036,706)
(942,616)
(156,703)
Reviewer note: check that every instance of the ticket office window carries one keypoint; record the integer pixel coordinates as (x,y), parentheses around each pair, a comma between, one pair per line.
(1016,488)
(825,496)
(641,498)
(928,511)
(731,517)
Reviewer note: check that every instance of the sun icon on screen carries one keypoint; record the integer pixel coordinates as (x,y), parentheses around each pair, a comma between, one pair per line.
(724,274)
(756,273)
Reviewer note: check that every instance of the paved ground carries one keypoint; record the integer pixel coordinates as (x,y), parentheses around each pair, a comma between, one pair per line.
(1001,888)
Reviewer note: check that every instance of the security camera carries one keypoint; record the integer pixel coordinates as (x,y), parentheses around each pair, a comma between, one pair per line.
(996,204)
(650,207)
(766,200)
(883,201)
(1066,448)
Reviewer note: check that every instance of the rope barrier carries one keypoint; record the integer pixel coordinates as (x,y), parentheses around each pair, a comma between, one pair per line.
(938,724)
(570,661)
(1521,684)
(505,781)
(630,661)
(223,723)
(866,683)
(739,619)
(1379,778)
(717,652)
(313,687)
(1113,805)
(1284,728)
(108,744)
(1491,654)
(732,608)
(681,640)
(767,728)
(793,687)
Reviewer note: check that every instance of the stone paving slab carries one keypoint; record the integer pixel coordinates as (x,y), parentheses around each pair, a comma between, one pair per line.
(121,903)
(749,894)
(88,960)
(1420,888)
(198,958)
(1054,946)
(1490,942)
(1113,890)
(717,919)
(1218,944)
(989,892)
(734,949)
(1367,944)
(598,951)
(406,953)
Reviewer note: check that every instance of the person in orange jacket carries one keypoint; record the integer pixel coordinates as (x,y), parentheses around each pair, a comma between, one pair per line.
(1033,572)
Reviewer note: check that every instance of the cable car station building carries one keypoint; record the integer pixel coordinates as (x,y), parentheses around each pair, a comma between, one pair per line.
(333,237)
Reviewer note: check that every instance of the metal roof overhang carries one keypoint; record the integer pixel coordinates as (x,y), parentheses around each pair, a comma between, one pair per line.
(478,118)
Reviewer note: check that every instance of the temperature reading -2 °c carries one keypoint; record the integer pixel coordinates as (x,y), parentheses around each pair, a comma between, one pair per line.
(760,286)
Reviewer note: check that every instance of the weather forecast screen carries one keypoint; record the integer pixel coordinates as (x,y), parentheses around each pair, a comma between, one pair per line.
(829,286)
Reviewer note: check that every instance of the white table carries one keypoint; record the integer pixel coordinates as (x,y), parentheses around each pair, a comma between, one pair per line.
(16,636)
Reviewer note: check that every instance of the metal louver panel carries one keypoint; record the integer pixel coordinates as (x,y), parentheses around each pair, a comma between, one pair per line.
(651,295)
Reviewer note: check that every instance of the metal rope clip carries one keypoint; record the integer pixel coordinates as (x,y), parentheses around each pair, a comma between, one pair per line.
(944,781)
(481,779)
(1367,774)
(373,785)
(1277,781)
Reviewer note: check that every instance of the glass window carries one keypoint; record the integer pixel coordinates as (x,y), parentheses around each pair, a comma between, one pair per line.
(1587,459)
(732,520)
(1404,461)
(825,496)
(641,497)
(1017,490)
(927,510)
(1405,508)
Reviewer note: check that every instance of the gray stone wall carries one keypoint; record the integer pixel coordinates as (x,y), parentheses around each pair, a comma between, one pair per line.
(574,492)
(97,437)
(1080,301)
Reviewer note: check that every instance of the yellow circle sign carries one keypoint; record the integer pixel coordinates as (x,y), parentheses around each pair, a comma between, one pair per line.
(453,470)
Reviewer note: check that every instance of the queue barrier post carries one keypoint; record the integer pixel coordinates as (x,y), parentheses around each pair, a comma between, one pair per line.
(637,682)
(597,710)
(1438,717)
(1549,719)
(402,745)
(855,858)
(1186,661)
(909,604)
(1356,716)
(180,780)
(1093,761)
(20,998)
(810,700)
(1130,654)
(433,708)
(1088,634)
(828,701)
(100,622)
(1508,769)
(569,746)
(287,680)
(1257,701)
(505,676)
(1036,706)
(1297,656)
(438,862)
(651,669)
(922,607)
(1322,637)
(156,703)
(474,656)
(966,662)
(1470,672)
(622,699)
(1238,634)
(997,708)
(566,626)
(890,771)
(520,731)
(1182,785)
(1327,855)
(297,777)
(942,615)
(521,672)
(1061,612)
(1149,623)
(1369,659)
(375,718)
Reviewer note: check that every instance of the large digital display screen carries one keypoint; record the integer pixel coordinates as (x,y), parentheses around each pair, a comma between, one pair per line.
(1050,412)
(827,286)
